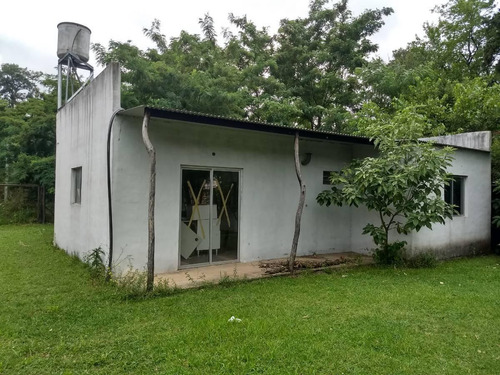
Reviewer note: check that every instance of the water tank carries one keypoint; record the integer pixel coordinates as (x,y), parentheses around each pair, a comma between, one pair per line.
(74,38)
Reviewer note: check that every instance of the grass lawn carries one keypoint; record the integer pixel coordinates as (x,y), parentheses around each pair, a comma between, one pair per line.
(55,320)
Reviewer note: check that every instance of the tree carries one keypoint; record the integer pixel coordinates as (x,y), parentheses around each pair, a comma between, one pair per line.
(317,57)
(18,84)
(304,75)
(460,36)
(27,138)
(402,184)
(492,46)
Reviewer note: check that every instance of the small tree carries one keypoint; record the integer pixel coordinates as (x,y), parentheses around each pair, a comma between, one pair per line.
(403,184)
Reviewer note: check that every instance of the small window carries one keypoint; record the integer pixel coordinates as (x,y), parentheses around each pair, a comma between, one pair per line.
(454,194)
(326,177)
(76,185)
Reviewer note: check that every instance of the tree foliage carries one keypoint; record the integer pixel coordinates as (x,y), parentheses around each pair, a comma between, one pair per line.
(27,133)
(18,84)
(304,75)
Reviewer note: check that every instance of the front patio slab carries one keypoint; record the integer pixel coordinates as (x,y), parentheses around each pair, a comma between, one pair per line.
(198,276)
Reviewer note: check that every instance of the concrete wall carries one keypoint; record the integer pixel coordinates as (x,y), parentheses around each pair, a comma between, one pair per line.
(269,190)
(474,140)
(81,131)
(268,194)
(268,187)
(468,233)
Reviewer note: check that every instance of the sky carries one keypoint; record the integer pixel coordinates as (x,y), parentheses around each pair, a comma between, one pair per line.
(28,29)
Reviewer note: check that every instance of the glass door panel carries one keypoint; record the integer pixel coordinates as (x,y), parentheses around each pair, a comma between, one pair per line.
(209,216)
(225,222)
(195,217)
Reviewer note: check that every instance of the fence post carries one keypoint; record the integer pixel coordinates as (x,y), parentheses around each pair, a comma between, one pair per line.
(41,204)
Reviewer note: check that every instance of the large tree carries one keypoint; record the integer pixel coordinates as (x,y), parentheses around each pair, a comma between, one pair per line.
(18,84)
(304,75)
(27,138)
(317,57)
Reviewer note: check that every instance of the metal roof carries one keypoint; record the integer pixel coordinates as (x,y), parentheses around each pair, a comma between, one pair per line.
(229,122)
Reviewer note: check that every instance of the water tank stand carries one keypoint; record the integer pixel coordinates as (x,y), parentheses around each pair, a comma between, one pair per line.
(72,62)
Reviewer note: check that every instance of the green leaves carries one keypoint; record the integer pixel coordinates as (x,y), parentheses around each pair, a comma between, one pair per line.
(317,57)
(18,84)
(304,75)
(27,131)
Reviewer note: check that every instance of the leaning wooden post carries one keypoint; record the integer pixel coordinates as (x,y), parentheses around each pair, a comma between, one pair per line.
(151,206)
(298,215)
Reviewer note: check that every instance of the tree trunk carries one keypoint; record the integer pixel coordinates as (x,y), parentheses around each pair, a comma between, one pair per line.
(151,206)
(298,215)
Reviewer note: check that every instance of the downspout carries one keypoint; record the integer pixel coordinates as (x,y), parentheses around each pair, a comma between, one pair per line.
(110,207)
(151,203)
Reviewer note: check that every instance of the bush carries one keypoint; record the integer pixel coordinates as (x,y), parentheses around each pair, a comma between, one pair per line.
(390,254)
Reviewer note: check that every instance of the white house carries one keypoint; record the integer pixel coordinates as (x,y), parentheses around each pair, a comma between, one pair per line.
(226,189)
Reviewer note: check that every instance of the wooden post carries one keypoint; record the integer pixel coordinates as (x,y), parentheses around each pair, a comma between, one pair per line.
(298,215)
(151,205)
(41,204)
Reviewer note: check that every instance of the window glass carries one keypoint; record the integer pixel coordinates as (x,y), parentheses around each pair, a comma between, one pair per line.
(76,185)
(326,177)
(454,194)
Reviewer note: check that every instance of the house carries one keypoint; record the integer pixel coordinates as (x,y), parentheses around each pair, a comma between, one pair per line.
(226,189)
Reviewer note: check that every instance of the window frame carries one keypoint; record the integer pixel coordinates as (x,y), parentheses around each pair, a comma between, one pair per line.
(450,191)
(76,185)
(326,177)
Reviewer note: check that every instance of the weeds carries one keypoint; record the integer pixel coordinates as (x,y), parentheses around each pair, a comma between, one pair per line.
(421,260)
(132,285)
(390,254)
(95,262)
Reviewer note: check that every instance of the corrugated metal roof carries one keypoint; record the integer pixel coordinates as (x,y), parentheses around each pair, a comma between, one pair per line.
(203,118)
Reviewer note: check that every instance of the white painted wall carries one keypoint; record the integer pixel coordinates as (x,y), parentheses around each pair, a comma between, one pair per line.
(469,233)
(269,193)
(269,189)
(81,131)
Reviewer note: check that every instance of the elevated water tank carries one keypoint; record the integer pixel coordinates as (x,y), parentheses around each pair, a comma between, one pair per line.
(74,38)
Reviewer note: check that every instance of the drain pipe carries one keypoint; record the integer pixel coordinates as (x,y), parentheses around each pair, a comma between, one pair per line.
(110,207)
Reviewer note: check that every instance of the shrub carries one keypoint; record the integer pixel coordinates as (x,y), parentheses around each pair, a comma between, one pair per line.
(390,254)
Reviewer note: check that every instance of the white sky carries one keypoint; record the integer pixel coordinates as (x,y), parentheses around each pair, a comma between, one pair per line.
(28,29)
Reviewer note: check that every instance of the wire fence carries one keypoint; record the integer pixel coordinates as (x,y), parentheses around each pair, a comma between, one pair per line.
(22,203)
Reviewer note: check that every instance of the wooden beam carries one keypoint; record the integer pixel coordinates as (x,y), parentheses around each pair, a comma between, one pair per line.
(300,208)
(151,205)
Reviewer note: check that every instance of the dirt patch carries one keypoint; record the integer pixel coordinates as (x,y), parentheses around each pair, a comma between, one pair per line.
(281,266)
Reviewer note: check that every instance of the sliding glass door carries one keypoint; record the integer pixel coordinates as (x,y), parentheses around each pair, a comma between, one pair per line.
(209,218)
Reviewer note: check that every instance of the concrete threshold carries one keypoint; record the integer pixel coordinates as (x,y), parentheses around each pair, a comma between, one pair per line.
(213,274)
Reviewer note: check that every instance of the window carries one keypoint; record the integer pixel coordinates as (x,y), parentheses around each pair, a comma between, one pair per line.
(76,185)
(326,177)
(454,194)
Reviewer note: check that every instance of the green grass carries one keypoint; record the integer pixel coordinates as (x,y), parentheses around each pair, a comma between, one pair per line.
(55,320)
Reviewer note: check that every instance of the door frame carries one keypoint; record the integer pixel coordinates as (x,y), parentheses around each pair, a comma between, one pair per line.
(210,169)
